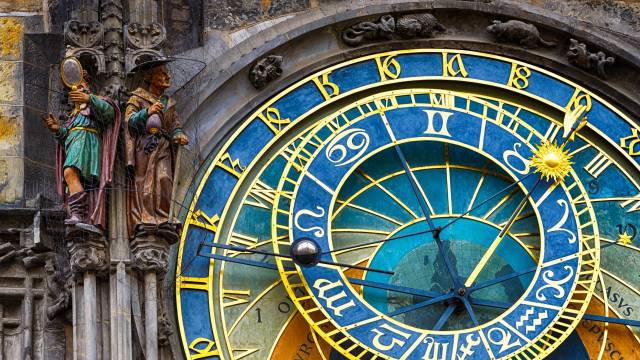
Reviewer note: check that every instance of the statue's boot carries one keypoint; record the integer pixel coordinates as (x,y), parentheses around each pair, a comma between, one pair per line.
(78,208)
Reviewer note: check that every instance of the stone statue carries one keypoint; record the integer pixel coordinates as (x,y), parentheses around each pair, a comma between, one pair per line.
(521,33)
(265,71)
(362,32)
(58,290)
(152,135)
(86,150)
(418,25)
(579,56)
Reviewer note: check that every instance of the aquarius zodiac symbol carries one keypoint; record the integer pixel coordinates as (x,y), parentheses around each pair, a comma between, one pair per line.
(554,284)
(537,321)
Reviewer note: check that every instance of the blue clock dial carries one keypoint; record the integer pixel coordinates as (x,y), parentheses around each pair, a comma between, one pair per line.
(438,221)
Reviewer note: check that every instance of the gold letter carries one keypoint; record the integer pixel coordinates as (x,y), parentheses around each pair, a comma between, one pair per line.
(449,65)
(325,84)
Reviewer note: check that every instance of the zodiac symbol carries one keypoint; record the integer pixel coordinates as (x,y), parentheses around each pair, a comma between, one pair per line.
(504,340)
(394,341)
(537,321)
(357,140)
(444,116)
(317,230)
(563,220)
(323,286)
(554,284)
(467,349)
(435,350)
(525,162)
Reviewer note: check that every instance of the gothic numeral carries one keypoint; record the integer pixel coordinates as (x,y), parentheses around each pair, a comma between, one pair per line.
(631,143)
(388,68)
(201,219)
(575,112)
(201,348)
(232,166)
(327,88)
(597,165)
(519,77)
(271,117)
(453,65)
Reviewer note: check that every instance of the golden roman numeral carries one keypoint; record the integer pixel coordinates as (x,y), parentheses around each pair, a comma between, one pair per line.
(519,77)
(274,121)
(193,283)
(327,88)
(552,131)
(634,202)
(242,353)
(298,160)
(230,165)
(202,348)
(597,165)
(631,143)
(453,65)
(201,219)
(235,297)
(388,68)
(387,103)
(444,100)
(243,241)
(261,195)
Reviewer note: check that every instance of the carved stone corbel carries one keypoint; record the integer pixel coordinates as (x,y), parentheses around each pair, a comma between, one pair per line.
(89,254)
(85,39)
(265,70)
(594,62)
(143,42)
(150,253)
(422,25)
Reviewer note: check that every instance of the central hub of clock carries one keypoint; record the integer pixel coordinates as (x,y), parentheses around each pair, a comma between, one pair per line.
(415,262)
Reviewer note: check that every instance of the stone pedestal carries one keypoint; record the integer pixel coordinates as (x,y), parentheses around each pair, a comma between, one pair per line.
(88,257)
(150,256)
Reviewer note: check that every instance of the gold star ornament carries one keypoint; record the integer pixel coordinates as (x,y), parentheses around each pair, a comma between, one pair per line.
(625,239)
(551,161)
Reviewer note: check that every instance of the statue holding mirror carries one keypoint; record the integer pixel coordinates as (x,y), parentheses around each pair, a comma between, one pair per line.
(86,147)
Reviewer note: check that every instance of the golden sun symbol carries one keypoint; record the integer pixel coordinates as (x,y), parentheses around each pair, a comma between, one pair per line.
(551,161)
(624,238)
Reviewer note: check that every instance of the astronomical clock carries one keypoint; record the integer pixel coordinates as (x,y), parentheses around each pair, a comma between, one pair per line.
(417,204)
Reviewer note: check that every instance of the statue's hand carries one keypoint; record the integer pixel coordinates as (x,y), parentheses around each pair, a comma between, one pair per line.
(51,123)
(181,139)
(155,108)
(78,97)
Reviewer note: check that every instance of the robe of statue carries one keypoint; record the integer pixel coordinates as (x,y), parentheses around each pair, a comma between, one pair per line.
(88,141)
(150,162)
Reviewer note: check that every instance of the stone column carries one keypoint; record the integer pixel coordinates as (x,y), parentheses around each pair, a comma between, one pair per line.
(88,256)
(150,255)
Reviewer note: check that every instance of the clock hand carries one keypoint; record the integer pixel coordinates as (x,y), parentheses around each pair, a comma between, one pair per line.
(421,304)
(494,245)
(444,317)
(254,251)
(426,210)
(379,241)
(356,281)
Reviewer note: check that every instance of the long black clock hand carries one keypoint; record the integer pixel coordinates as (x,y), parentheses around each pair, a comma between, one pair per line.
(267,253)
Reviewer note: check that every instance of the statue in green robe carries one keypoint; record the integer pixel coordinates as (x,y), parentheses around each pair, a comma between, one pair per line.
(86,151)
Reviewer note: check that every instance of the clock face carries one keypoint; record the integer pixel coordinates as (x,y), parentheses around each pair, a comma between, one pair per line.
(419,204)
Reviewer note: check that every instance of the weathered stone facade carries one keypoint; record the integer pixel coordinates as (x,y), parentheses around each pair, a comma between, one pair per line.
(42,274)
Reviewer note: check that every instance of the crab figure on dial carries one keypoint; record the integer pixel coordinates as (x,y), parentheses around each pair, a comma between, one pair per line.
(417,204)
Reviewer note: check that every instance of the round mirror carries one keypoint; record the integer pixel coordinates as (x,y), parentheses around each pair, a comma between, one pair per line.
(71,72)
